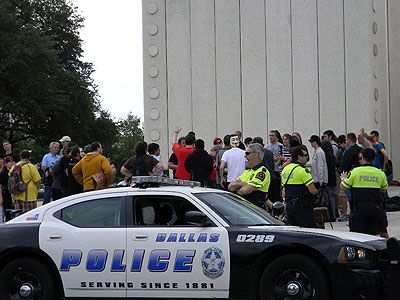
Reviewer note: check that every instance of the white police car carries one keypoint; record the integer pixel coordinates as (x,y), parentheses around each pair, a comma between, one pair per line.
(179,242)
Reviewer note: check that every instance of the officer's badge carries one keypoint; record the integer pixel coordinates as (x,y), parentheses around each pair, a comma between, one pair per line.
(307,170)
(213,262)
(260,176)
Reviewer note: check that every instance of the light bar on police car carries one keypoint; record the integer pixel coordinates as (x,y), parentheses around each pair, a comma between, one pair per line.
(137,180)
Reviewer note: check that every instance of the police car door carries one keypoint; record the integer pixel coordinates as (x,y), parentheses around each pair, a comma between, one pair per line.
(86,238)
(170,258)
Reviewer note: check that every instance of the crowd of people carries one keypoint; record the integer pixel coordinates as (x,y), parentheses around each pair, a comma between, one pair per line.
(281,170)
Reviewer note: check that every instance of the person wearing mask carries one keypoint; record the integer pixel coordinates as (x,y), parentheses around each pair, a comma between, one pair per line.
(199,164)
(242,146)
(367,183)
(235,161)
(297,182)
(93,165)
(27,200)
(319,169)
(253,183)
(182,152)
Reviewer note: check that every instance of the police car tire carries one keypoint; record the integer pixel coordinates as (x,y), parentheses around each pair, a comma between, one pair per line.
(29,266)
(299,262)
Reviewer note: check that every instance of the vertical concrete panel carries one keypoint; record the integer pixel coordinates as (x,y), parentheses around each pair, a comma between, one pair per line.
(254,104)
(380,86)
(305,69)
(228,76)
(155,75)
(331,66)
(203,69)
(394,77)
(359,53)
(179,65)
(279,65)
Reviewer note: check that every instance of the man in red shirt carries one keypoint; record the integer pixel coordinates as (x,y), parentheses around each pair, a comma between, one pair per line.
(182,153)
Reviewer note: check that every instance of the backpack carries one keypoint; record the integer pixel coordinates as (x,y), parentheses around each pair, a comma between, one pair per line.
(15,183)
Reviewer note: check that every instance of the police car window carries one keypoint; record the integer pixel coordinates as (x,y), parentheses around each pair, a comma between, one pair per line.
(236,211)
(99,213)
(161,211)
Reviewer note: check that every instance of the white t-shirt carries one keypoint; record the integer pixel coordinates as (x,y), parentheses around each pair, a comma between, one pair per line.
(158,157)
(235,161)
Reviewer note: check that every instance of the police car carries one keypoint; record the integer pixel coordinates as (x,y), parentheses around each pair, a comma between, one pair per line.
(167,241)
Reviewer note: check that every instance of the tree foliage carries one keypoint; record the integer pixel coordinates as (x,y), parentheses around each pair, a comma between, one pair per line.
(46,90)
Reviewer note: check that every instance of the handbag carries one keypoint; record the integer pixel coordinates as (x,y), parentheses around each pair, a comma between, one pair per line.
(322,198)
(99,180)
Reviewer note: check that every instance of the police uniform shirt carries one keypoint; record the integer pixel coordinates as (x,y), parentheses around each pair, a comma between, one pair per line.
(366,182)
(258,177)
(296,185)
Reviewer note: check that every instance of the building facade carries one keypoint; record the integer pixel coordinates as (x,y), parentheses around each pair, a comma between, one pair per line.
(216,66)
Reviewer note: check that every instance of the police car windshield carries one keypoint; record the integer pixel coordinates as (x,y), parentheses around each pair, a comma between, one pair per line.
(236,211)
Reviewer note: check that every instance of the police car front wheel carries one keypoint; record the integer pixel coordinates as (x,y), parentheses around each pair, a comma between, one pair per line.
(294,276)
(27,279)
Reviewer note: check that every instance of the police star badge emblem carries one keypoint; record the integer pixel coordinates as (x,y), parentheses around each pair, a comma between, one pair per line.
(213,262)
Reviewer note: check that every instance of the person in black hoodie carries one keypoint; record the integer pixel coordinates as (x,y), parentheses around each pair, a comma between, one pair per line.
(199,164)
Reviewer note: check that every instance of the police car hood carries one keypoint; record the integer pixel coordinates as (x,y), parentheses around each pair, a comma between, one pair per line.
(344,235)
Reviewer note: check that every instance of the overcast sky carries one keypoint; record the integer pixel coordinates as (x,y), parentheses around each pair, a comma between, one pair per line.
(112,41)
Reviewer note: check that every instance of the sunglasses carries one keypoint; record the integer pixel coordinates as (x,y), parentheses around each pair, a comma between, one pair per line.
(248,153)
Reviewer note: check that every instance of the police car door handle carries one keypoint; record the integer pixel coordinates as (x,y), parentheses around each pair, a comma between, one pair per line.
(55,237)
(140,237)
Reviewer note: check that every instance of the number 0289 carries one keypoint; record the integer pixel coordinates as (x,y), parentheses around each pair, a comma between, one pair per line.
(252,238)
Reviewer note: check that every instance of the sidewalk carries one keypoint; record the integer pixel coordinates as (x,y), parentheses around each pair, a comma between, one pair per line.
(393,218)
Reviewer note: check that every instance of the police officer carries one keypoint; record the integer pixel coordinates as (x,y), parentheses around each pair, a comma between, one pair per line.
(367,214)
(297,182)
(253,184)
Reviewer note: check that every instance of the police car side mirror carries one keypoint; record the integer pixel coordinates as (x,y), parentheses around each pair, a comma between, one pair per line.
(197,218)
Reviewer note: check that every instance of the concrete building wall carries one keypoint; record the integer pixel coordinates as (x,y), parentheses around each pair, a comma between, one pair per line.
(256,65)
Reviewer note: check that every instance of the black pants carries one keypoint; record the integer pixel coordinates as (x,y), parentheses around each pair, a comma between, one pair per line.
(56,194)
(274,191)
(367,218)
(298,214)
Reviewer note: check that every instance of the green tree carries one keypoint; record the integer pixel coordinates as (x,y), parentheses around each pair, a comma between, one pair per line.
(46,90)
(130,132)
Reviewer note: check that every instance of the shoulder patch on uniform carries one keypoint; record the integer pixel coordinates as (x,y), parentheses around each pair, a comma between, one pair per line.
(307,170)
(260,176)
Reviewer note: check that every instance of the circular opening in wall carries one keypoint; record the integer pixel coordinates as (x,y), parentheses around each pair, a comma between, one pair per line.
(374,6)
(376,94)
(155,135)
(152,29)
(154,93)
(375,50)
(153,50)
(154,114)
(152,8)
(376,117)
(375,72)
(153,71)
(374,28)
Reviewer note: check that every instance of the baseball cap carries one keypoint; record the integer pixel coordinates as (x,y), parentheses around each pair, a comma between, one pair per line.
(65,138)
(314,138)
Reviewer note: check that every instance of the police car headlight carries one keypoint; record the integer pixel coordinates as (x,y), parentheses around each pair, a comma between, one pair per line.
(354,255)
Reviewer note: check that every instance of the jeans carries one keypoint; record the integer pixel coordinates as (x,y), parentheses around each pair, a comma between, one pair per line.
(47,194)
